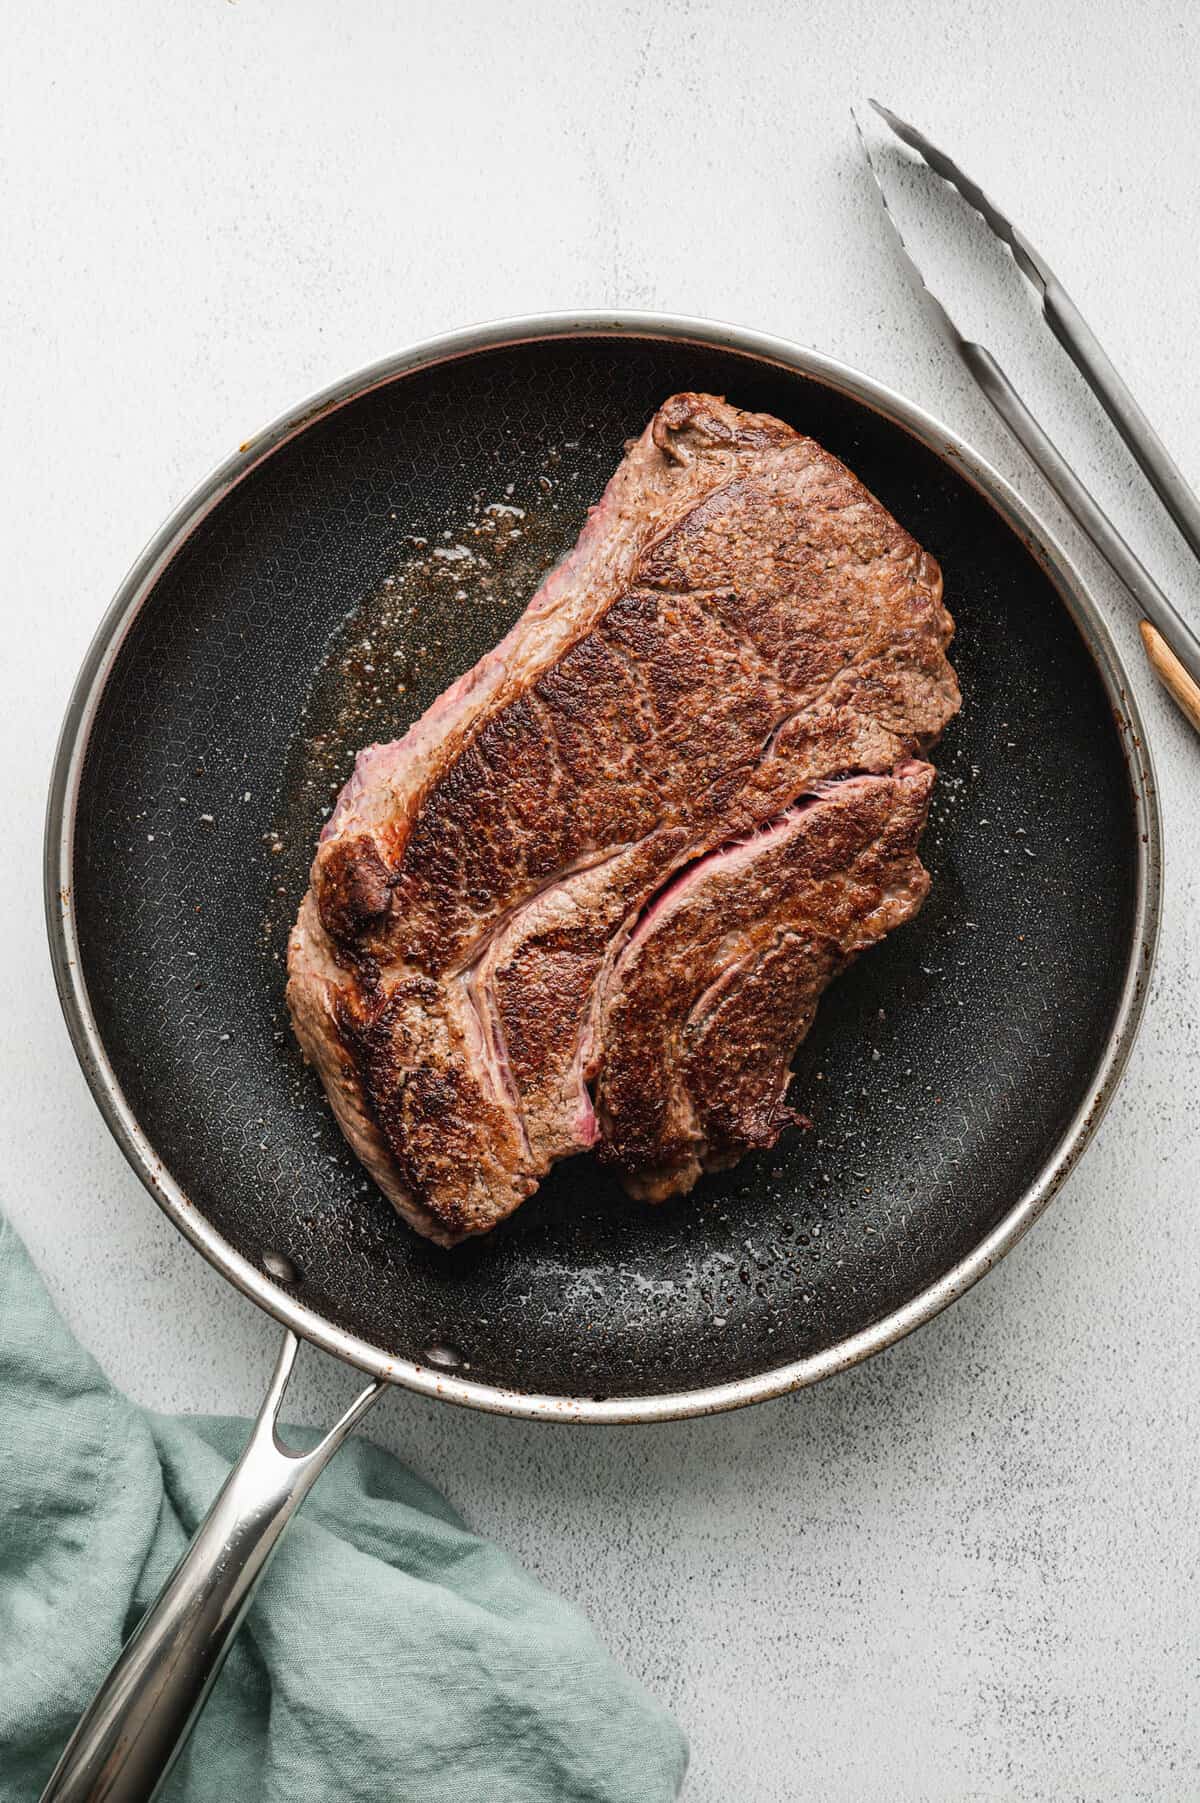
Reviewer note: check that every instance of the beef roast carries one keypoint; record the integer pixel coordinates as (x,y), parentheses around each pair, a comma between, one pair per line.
(592,897)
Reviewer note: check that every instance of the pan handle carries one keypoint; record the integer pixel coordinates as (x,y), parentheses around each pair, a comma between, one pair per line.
(128,1739)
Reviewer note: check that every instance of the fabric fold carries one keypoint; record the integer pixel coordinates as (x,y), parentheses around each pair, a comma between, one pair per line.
(389,1654)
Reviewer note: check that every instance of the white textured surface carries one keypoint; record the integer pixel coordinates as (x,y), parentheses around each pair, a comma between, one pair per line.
(968,1569)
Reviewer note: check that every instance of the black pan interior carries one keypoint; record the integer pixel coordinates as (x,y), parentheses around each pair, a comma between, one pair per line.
(306,616)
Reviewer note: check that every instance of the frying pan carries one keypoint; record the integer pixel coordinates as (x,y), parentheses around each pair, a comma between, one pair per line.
(318,592)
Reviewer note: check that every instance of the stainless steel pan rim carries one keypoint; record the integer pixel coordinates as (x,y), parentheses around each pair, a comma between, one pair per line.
(65,951)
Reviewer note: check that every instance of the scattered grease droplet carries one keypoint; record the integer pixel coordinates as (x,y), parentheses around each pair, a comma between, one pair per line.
(281,1266)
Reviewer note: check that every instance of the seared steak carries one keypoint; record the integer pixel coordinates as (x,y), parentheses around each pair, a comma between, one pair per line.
(592,897)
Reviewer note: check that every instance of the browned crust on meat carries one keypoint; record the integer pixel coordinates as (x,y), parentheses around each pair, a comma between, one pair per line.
(752,569)
(355,892)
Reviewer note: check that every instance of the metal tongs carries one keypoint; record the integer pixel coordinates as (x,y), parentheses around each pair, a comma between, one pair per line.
(1171,645)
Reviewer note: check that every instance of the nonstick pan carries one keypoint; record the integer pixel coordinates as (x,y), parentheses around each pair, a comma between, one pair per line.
(317,593)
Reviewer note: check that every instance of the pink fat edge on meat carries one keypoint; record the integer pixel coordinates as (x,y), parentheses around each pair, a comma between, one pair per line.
(688,872)
(587,1127)
(735,853)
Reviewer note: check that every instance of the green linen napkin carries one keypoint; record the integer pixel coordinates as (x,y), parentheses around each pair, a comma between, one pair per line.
(389,1655)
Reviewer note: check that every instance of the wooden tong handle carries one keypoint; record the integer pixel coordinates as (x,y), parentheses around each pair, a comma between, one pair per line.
(1171,673)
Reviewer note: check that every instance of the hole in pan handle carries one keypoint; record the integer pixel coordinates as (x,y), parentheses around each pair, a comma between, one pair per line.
(127,1741)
